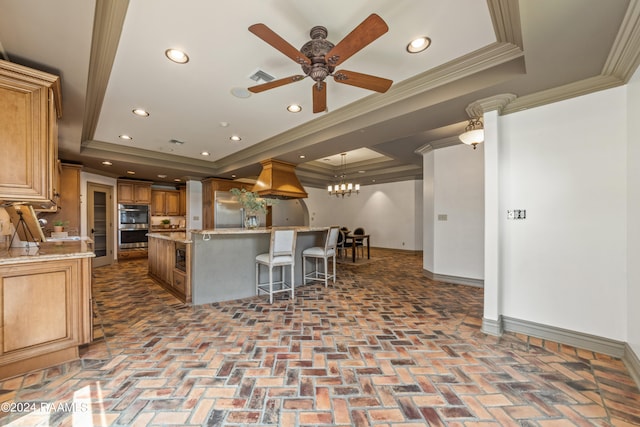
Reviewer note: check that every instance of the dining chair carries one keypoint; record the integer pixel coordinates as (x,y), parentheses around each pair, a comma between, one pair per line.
(359,242)
(341,246)
(282,249)
(317,253)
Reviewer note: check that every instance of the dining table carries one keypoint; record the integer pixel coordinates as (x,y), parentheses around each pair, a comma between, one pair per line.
(355,238)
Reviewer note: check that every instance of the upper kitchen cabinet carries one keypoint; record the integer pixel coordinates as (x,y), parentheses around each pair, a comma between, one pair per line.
(165,202)
(134,192)
(68,209)
(30,106)
(183,200)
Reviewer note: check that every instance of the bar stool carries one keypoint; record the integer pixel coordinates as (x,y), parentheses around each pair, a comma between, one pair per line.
(324,253)
(282,251)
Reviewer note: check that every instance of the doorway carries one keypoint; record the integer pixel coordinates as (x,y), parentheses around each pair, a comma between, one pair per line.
(100,222)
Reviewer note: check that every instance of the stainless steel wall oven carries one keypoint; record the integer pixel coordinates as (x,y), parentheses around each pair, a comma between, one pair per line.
(133,226)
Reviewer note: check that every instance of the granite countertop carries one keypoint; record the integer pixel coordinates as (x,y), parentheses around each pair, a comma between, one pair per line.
(182,237)
(259,230)
(55,250)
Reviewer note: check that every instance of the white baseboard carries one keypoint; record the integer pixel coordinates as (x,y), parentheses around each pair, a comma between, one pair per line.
(564,336)
(632,362)
(456,280)
(492,327)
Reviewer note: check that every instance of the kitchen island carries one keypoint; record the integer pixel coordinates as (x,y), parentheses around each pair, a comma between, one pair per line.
(46,304)
(170,260)
(223,260)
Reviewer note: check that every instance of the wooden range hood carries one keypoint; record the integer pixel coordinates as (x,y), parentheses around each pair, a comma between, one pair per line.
(278,180)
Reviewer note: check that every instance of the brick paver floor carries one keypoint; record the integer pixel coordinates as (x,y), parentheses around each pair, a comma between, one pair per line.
(384,346)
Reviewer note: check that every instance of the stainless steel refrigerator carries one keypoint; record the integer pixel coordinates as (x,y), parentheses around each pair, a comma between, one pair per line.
(229,212)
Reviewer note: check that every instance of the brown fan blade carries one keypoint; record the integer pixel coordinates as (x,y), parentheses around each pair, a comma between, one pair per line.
(369,30)
(364,81)
(319,97)
(269,36)
(275,83)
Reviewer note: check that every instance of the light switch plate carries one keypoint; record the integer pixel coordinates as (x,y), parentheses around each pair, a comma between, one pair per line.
(517,214)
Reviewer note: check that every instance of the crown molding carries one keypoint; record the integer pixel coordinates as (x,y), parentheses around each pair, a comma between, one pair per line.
(624,56)
(437,144)
(99,149)
(107,29)
(505,15)
(492,103)
(560,93)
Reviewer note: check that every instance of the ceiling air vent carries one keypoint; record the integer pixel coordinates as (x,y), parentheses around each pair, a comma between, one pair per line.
(260,75)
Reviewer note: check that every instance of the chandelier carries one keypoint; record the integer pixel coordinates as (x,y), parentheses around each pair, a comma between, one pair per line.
(343,188)
(473,133)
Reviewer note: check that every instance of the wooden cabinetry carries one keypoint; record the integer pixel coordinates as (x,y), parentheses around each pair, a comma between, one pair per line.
(134,192)
(68,209)
(30,105)
(46,313)
(183,201)
(162,261)
(209,187)
(165,202)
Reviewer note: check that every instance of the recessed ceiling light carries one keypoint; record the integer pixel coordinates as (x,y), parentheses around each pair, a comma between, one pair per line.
(235,138)
(177,56)
(205,153)
(177,179)
(162,176)
(419,44)
(362,171)
(233,176)
(302,156)
(131,172)
(240,92)
(294,108)
(176,141)
(107,163)
(140,112)
(127,137)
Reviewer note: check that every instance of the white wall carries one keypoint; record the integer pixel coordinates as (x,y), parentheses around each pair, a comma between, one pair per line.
(565,265)
(454,188)
(459,194)
(290,212)
(633,224)
(386,211)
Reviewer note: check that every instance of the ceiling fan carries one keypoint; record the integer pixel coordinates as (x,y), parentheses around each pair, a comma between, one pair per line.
(319,58)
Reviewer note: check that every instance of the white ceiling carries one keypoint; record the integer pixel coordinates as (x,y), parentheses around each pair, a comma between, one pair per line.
(538,50)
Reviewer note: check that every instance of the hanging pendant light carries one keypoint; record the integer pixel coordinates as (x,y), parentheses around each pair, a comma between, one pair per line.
(343,188)
(473,133)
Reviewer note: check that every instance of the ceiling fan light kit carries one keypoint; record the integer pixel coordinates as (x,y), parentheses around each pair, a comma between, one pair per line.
(319,57)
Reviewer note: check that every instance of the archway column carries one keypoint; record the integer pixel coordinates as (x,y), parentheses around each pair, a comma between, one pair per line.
(489,109)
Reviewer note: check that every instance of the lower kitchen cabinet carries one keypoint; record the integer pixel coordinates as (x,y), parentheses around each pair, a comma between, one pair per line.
(45,311)
(163,265)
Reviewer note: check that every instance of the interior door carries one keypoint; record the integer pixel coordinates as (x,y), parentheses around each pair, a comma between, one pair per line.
(100,222)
